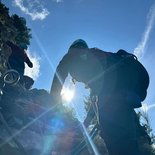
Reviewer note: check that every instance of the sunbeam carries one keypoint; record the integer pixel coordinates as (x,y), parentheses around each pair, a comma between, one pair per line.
(90,140)
(86,135)
(46,56)
(26,126)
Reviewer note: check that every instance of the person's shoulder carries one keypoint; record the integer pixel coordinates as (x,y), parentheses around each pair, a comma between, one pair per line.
(13,45)
(99,52)
(76,52)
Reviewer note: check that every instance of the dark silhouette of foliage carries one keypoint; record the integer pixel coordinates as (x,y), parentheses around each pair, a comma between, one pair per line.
(146,138)
(13,28)
(23,32)
(7,29)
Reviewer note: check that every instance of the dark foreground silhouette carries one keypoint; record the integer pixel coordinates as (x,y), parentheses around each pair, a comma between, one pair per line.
(32,122)
(120,83)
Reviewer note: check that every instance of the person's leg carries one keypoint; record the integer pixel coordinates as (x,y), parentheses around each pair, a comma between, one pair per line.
(118,127)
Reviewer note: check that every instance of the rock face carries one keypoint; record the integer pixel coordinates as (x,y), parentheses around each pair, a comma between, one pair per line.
(31,124)
(34,121)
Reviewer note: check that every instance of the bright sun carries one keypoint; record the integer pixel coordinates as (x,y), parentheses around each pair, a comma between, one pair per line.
(67,94)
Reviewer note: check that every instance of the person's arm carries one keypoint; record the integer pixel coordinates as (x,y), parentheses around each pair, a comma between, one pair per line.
(59,79)
(27,60)
(20,52)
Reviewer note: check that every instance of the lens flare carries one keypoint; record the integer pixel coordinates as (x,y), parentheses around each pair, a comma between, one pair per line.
(67,94)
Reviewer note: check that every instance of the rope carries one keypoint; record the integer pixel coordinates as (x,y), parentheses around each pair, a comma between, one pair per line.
(95,108)
(82,145)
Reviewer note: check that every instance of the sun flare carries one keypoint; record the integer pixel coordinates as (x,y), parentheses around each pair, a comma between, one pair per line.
(67,94)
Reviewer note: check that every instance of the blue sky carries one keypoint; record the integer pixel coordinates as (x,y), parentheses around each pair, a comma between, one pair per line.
(107,24)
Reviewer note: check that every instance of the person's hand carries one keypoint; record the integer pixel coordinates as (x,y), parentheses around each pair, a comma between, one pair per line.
(30,64)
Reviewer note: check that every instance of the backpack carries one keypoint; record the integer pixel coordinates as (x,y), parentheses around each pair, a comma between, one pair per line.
(124,74)
(135,77)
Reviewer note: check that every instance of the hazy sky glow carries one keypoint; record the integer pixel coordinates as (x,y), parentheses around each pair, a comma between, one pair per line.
(108,25)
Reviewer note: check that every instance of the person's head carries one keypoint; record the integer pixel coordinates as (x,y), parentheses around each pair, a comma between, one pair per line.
(79,43)
(23,46)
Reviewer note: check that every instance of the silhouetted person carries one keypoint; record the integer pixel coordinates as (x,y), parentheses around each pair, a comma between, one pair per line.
(18,58)
(118,80)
